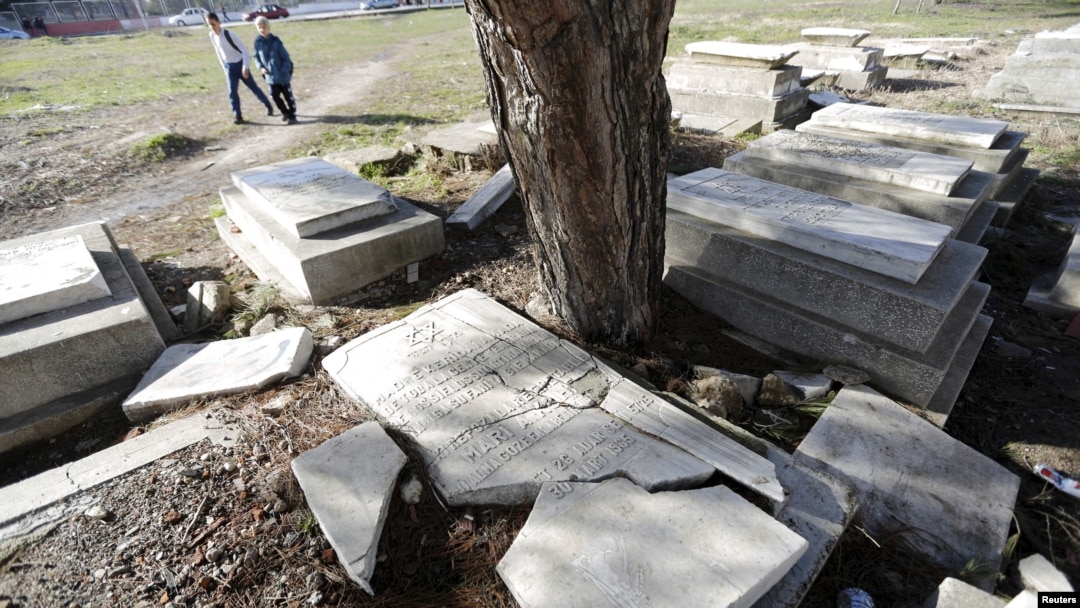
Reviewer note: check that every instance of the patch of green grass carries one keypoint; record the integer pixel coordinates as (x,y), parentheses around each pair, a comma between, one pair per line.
(160,147)
(215,212)
(163,255)
(374,172)
(418,179)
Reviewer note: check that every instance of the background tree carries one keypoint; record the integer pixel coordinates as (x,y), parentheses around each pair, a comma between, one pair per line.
(577,94)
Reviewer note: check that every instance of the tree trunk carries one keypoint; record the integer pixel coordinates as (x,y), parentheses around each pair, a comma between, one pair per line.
(582,110)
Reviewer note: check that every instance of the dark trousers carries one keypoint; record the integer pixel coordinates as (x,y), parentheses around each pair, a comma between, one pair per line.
(235,75)
(283,99)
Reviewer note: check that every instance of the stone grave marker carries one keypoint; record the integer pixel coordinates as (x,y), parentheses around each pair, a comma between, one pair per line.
(886,164)
(882,241)
(45,276)
(914,482)
(924,126)
(348,482)
(834,36)
(185,372)
(496,405)
(739,54)
(308,196)
(614,544)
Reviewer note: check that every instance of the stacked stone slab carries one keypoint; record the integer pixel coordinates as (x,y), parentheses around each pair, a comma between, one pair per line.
(1043,74)
(833,51)
(1058,294)
(988,144)
(320,232)
(933,187)
(832,280)
(76,331)
(729,87)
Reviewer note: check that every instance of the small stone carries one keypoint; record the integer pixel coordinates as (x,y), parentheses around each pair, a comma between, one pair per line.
(100,573)
(776,393)
(206,582)
(229,466)
(239,484)
(193,472)
(264,325)
(329,344)
(172,518)
(205,456)
(276,405)
(97,512)
(315,598)
(279,507)
(213,554)
(847,375)
(412,490)
(538,307)
(719,396)
(641,370)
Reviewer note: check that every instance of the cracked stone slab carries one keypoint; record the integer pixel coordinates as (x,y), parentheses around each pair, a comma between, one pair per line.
(614,544)
(496,405)
(348,482)
(186,372)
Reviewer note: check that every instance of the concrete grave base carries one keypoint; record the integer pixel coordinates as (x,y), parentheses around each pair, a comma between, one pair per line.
(61,366)
(1058,294)
(1010,197)
(716,103)
(923,379)
(331,267)
(687,76)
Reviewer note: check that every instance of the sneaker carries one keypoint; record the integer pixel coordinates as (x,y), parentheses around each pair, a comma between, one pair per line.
(284,119)
(292,120)
(269,111)
(239,120)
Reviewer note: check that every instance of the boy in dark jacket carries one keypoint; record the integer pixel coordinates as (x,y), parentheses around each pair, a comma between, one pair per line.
(276,66)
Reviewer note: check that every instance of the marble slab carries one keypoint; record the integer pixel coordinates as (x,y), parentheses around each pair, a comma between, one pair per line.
(923,126)
(834,36)
(45,276)
(614,544)
(888,243)
(486,201)
(348,482)
(186,372)
(1058,293)
(915,483)
(496,405)
(884,164)
(690,76)
(309,196)
(761,56)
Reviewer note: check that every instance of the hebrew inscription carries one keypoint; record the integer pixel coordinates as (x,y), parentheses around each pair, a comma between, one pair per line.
(772,201)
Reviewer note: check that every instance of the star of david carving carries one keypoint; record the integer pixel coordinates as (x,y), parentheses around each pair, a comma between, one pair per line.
(423,333)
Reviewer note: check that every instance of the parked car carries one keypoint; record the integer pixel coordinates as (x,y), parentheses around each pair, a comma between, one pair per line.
(368,5)
(270,11)
(6,34)
(189,16)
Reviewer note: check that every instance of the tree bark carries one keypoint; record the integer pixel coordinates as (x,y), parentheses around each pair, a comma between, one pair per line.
(581,106)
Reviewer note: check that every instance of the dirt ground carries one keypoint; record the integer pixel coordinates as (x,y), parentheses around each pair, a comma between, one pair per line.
(214,526)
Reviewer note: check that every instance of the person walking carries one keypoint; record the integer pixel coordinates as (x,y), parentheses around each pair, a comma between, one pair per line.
(39,25)
(276,66)
(224,14)
(234,59)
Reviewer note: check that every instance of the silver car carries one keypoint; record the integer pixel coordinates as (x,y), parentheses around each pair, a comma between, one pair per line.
(6,34)
(368,5)
(190,16)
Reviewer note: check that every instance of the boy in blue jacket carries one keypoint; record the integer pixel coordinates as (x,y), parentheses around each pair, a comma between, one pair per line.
(276,66)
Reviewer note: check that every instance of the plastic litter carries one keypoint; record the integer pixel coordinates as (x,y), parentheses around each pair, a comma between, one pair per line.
(853,597)
(1065,484)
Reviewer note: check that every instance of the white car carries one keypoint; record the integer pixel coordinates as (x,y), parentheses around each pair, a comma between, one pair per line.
(190,16)
(6,34)
(368,5)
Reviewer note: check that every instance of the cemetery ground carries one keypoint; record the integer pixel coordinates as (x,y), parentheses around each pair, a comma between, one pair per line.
(212,525)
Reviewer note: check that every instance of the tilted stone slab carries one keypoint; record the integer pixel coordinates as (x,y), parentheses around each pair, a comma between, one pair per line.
(1059,293)
(954,593)
(954,210)
(920,126)
(886,165)
(993,159)
(897,312)
(930,379)
(496,405)
(834,36)
(47,275)
(888,243)
(309,196)
(689,76)
(61,366)
(1056,42)
(486,201)
(614,544)
(915,483)
(329,269)
(186,372)
(862,80)
(760,56)
(348,482)
(463,138)
(1038,574)
(718,103)
(837,58)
